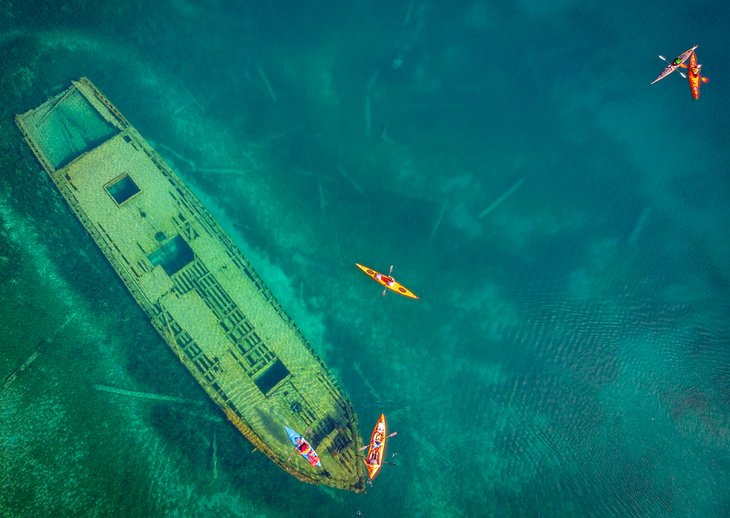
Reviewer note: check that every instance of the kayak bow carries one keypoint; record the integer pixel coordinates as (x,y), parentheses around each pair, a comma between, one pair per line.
(387,281)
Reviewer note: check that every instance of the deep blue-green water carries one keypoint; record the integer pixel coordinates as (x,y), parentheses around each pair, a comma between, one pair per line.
(564,223)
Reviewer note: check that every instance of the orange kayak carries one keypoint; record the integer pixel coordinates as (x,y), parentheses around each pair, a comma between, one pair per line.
(376,449)
(694,77)
(387,281)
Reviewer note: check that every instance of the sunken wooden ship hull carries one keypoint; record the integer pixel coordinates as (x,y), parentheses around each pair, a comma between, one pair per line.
(199,292)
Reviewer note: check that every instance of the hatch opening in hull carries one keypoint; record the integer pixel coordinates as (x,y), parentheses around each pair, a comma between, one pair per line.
(271,377)
(122,189)
(173,256)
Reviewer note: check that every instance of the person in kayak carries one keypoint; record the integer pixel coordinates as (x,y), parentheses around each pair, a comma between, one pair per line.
(302,445)
(387,279)
(378,437)
(373,458)
(312,457)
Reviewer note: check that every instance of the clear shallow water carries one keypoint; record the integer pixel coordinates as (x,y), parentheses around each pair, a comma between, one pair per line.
(569,354)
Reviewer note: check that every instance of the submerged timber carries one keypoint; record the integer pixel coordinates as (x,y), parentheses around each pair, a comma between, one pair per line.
(197,289)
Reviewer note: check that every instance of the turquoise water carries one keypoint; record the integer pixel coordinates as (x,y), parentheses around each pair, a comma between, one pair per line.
(564,223)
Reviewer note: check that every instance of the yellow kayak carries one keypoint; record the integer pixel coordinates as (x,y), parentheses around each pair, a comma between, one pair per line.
(387,281)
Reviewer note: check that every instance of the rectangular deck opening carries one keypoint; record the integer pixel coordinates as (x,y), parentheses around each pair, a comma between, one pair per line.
(122,189)
(271,377)
(173,256)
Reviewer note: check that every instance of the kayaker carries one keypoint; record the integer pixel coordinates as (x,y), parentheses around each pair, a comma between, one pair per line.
(385,278)
(313,458)
(373,457)
(377,440)
(302,445)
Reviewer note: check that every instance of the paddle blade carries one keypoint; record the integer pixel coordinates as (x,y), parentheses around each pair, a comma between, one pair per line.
(683,65)
(705,80)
